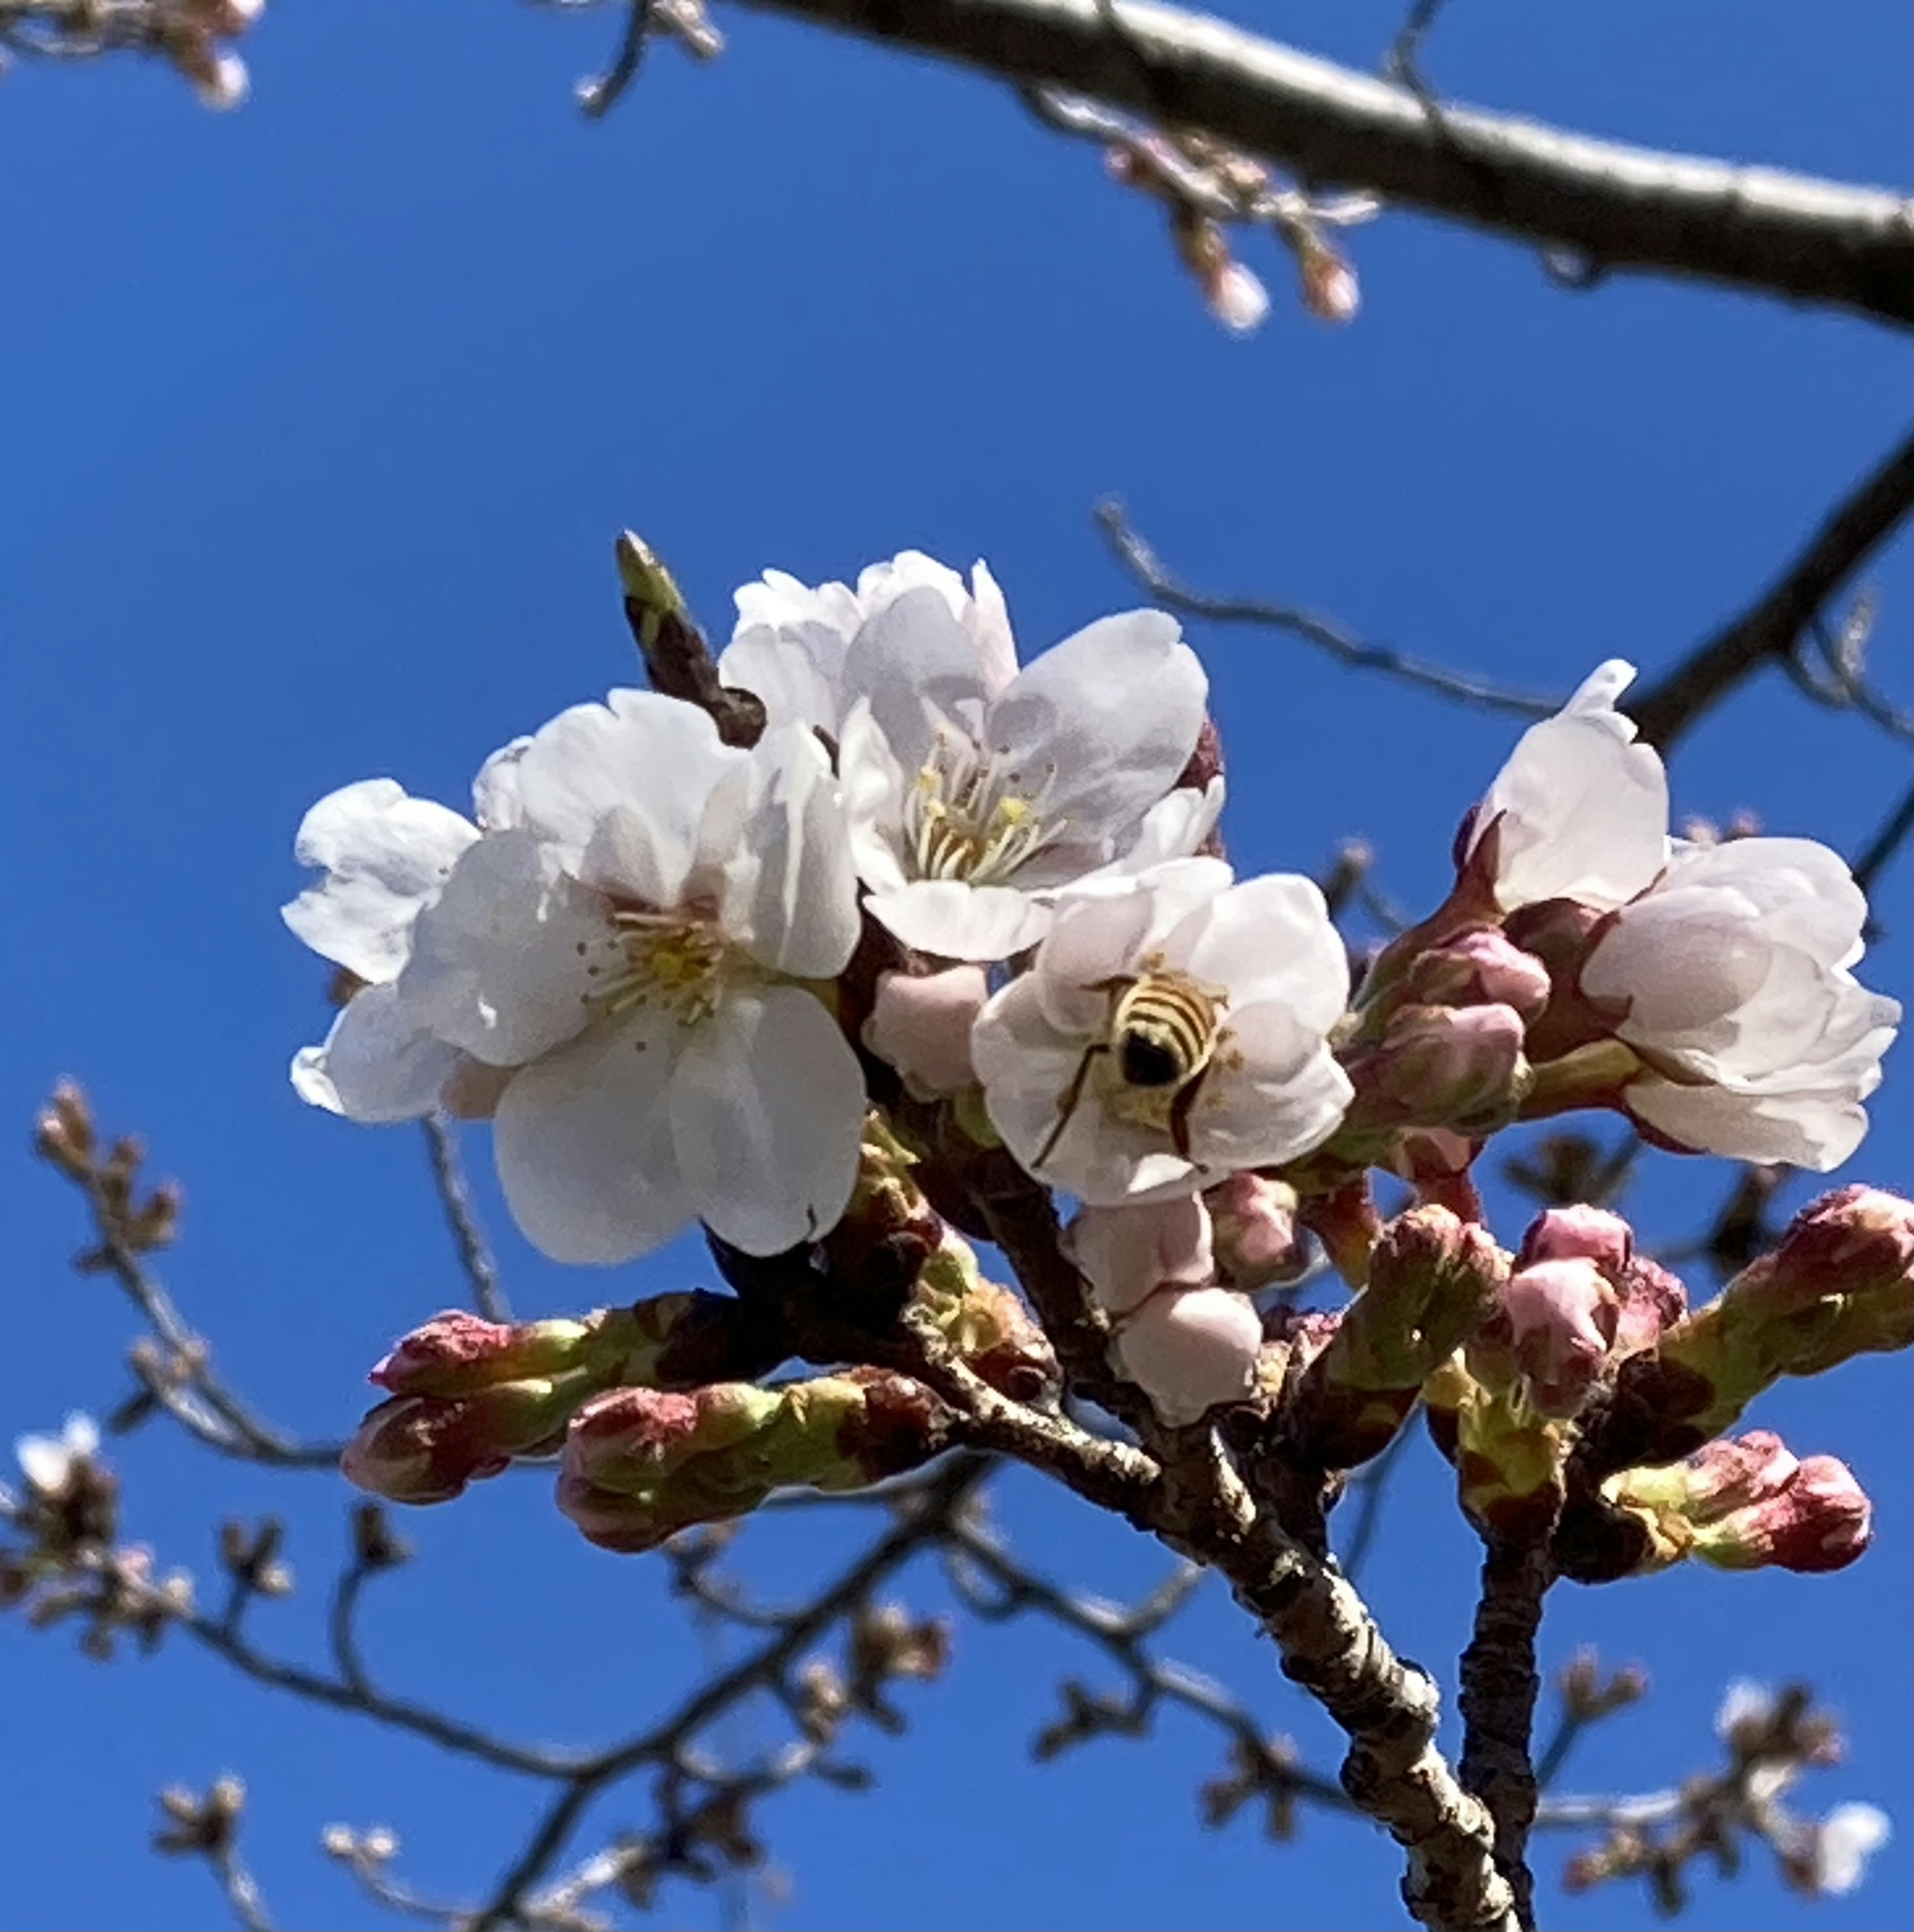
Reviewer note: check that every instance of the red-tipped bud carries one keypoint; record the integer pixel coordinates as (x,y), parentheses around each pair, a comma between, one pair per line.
(456,1353)
(425,1449)
(1855,1240)
(1482,967)
(1819,1519)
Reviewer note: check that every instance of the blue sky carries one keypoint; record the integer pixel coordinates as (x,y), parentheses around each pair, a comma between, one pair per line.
(320,421)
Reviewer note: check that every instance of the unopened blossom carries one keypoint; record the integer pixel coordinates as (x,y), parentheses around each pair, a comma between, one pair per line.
(1172,1030)
(1458,1066)
(921,1024)
(1258,1239)
(1731,977)
(1579,1233)
(1580,811)
(1481,968)
(1562,1318)
(1189,1349)
(623,947)
(976,789)
(1126,1254)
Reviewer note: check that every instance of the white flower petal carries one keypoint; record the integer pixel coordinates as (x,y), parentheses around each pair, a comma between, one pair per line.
(767,1109)
(874,788)
(584,1144)
(1581,808)
(955,921)
(1114,713)
(384,855)
(379,1063)
(495,802)
(796,672)
(1269,938)
(912,660)
(1816,1131)
(1273,1092)
(792,897)
(1845,1840)
(656,756)
(1173,828)
(504,965)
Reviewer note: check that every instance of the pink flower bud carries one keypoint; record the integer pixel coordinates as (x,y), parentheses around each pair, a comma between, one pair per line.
(1234,295)
(1736,1471)
(423,1449)
(1652,1301)
(1562,1318)
(1579,1234)
(1855,1240)
(1481,968)
(1456,1066)
(1190,1348)
(1126,1254)
(921,1025)
(456,1353)
(1820,1519)
(1258,1240)
(1331,290)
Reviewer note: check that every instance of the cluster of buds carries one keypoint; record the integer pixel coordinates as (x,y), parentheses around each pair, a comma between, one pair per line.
(1771,1738)
(640,1465)
(132,1220)
(1208,188)
(68,1564)
(468,1397)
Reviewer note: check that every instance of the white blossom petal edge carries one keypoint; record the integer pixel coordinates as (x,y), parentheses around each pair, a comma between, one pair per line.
(1580,811)
(47,1462)
(1252,977)
(1733,971)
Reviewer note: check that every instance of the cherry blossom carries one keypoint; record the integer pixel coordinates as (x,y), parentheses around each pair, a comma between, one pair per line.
(627,946)
(976,789)
(1733,975)
(1246,981)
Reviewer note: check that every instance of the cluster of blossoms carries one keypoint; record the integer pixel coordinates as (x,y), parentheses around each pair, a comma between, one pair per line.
(677,967)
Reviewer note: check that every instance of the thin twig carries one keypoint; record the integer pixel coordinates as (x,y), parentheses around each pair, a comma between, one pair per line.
(1374,1483)
(1134,552)
(456,1197)
(1873,857)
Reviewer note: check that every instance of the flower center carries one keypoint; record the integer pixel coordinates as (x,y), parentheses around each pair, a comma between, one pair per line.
(674,961)
(970,817)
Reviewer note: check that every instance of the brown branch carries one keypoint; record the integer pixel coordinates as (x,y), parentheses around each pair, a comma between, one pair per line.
(1499,1687)
(1614,206)
(1770,630)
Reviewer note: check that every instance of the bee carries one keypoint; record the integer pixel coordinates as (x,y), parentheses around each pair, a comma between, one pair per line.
(1160,1038)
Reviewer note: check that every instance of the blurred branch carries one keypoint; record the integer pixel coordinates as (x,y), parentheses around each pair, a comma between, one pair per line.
(1613,206)
(1133,551)
(455,1197)
(1874,858)
(174,1364)
(1771,629)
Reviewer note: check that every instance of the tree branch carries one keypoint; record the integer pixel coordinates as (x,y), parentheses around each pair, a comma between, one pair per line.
(1771,628)
(1612,206)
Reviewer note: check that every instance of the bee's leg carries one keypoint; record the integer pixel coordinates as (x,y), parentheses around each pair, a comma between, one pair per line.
(1066,1108)
(1179,1113)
